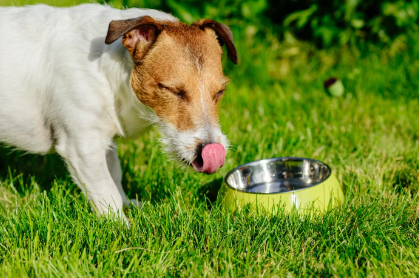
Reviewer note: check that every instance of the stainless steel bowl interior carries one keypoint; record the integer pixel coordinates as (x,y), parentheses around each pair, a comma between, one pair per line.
(277,175)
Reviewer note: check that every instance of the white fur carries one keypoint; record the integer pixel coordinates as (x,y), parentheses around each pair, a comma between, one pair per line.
(182,144)
(62,89)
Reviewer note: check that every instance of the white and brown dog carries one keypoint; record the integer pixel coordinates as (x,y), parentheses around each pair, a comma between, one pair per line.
(72,79)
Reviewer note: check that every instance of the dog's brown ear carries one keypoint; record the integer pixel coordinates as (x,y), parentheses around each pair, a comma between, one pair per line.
(225,36)
(138,34)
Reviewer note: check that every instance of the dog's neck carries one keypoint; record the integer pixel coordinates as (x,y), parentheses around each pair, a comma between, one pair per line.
(133,116)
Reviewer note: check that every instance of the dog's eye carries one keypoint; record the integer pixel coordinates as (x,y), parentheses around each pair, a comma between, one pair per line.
(220,94)
(181,94)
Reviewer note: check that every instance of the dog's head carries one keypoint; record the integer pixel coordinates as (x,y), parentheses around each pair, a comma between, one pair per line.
(178,73)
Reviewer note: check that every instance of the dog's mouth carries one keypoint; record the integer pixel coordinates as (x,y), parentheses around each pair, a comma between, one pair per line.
(199,161)
(209,158)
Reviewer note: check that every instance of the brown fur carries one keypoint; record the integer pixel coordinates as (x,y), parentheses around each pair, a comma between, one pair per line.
(173,63)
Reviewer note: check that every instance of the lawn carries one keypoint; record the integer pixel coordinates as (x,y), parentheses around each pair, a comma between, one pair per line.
(275,106)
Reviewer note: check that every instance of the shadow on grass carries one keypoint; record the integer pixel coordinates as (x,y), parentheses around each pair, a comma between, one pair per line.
(44,168)
(209,192)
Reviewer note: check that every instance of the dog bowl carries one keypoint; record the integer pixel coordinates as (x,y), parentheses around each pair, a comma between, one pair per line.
(304,184)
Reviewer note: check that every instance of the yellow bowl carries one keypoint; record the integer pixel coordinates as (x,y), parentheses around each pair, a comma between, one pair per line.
(301,184)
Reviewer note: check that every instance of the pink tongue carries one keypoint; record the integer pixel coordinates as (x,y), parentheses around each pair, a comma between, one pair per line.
(213,156)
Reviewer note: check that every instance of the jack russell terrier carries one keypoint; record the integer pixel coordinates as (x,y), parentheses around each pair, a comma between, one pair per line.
(72,79)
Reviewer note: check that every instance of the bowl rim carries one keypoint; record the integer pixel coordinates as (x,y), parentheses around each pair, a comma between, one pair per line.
(287,158)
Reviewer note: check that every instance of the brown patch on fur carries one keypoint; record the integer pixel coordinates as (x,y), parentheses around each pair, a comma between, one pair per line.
(178,72)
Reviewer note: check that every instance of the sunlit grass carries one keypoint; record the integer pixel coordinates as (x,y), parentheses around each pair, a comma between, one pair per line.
(370,138)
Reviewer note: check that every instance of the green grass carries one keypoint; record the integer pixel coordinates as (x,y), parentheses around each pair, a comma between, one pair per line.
(275,106)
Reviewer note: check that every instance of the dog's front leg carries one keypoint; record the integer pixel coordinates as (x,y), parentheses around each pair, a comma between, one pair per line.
(86,157)
(114,167)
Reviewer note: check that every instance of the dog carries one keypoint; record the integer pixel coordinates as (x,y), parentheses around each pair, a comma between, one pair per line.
(73,79)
